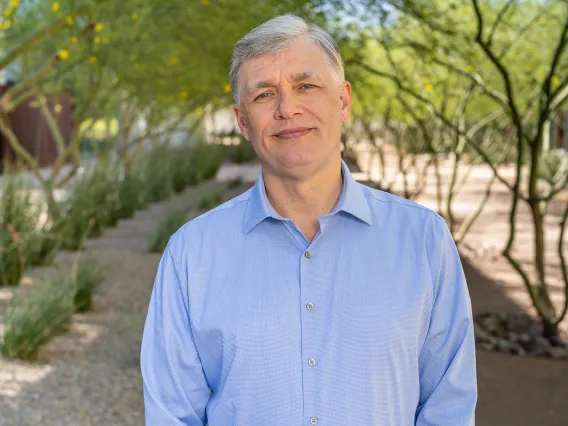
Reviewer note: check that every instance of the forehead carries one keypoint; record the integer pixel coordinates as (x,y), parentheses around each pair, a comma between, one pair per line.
(303,56)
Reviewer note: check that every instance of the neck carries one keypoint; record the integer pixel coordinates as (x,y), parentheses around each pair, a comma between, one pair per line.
(304,201)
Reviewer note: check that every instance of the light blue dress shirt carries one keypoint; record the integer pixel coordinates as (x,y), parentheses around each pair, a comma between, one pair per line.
(250,324)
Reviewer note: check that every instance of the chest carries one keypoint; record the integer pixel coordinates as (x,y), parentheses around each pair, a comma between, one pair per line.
(264,307)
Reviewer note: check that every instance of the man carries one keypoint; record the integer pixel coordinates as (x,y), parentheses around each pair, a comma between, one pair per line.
(309,299)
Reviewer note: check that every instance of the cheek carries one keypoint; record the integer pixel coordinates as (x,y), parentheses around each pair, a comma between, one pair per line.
(260,121)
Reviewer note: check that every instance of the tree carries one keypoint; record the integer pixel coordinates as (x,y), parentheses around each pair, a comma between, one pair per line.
(492,46)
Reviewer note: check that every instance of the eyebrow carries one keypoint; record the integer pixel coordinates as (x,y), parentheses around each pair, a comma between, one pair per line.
(301,76)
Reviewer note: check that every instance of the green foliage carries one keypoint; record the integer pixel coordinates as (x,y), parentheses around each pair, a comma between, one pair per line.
(158,176)
(210,200)
(89,208)
(242,153)
(553,167)
(18,221)
(167,228)
(132,196)
(41,246)
(235,183)
(33,320)
(11,259)
(88,277)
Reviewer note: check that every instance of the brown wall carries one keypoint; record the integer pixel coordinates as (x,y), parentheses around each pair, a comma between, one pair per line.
(30,126)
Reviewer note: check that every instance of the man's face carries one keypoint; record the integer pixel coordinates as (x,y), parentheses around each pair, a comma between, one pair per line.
(292,108)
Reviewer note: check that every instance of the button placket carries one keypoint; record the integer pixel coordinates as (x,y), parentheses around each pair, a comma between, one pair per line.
(310,378)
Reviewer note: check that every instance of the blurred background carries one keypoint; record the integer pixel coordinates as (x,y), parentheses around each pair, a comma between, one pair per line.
(116,128)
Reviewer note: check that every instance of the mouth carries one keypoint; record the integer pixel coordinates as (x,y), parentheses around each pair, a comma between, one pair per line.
(294,133)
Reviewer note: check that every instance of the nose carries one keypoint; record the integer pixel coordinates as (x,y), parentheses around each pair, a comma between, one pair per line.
(288,105)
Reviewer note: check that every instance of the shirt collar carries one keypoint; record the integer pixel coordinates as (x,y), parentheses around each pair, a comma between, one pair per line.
(352,200)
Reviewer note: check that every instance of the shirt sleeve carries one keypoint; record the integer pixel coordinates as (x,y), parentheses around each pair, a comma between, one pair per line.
(174,384)
(448,384)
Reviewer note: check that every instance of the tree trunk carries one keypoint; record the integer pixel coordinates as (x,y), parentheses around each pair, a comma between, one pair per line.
(542,298)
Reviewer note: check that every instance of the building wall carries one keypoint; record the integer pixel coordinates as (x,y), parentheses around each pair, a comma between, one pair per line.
(33,133)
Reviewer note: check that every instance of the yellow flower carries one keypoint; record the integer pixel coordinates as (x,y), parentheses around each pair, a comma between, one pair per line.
(93,60)
(63,54)
(55,6)
(57,108)
(7,24)
(8,12)
(429,88)
(227,88)
(530,67)
(74,40)
(14,4)
(97,39)
(469,68)
(205,2)
(555,80)
(135,17)
(183,95)
(174,60)
(106,40)
(99,27)
(69,20)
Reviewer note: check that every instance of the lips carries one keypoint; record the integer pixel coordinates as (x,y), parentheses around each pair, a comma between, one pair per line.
(294,133)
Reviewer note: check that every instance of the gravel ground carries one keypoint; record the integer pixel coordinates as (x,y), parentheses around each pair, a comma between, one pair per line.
(91,376)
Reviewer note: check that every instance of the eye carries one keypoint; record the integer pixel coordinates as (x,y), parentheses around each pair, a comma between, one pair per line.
(307,86)
(262,96)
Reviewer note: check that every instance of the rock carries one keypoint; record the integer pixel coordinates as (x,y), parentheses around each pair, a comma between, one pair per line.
(504,346)
(557,352)
(490,347)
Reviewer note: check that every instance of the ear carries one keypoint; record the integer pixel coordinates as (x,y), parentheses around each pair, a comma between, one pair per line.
(241,121)
(345,99)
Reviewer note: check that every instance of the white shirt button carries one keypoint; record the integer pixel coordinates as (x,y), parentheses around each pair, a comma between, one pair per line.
(309,306)
(312,361)
(313,420)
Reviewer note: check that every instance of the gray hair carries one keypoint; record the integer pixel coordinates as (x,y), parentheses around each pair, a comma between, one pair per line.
(275,36)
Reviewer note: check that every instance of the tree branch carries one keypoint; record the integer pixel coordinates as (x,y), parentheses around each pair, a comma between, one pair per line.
(447,122)
(498,19)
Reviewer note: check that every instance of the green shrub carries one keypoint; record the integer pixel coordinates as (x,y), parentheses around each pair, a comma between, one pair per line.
(182,164)
(77,217)
(34,320)
(12,262)
(87,278)
(166,229)
(90,207)
(243,152)
(131,196)
(235,183)
(18,220)
(41,247)
(204,162)
(210,201)
(158,176)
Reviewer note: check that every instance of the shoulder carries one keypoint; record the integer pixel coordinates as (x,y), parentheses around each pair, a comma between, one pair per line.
(222,220)
(389,206)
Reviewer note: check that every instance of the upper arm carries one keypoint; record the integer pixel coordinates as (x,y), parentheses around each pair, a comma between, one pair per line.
(174,383)
(448,386)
